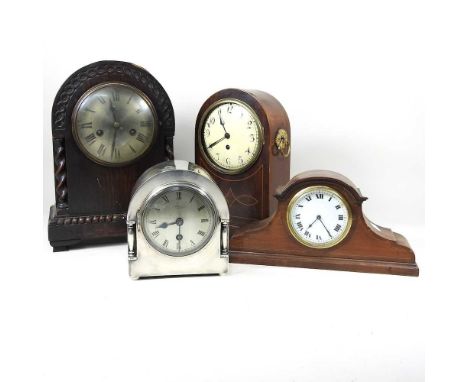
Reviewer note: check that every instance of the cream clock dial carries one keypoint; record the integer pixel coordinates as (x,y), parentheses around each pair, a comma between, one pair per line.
(114,124)
(319,217)
(231,136)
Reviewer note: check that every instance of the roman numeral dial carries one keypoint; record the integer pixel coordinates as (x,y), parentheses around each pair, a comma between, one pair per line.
(114,124)
(178,221)
(231,136)
(319,217)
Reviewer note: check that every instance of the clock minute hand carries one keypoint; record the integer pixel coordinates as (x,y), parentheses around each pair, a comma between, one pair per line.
(329,234)
(221,121)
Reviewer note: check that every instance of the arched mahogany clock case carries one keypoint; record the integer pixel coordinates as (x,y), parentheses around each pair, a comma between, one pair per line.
(250,193)
(366,248)
(91,199)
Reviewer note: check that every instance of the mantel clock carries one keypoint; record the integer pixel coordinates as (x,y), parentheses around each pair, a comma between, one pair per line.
(111,120)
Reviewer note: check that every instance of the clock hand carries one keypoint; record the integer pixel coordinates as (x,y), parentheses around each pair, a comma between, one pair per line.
(116,126)
(311,224)
(221,121)
(178,221)
(112,107)
(226,136)
(165,225)
(329,234)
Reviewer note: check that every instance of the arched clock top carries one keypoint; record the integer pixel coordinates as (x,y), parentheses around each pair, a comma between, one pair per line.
(319,177)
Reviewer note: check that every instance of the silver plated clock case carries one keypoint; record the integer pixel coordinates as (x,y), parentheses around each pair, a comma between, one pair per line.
(177,223)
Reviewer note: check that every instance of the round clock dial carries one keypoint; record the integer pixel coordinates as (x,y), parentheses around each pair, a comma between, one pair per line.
(178,221)
(319,217)
(114,124)
(231,136)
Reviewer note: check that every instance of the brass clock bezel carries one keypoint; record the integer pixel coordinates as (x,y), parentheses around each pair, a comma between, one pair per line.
(74,124)
(301,193)
(201,143)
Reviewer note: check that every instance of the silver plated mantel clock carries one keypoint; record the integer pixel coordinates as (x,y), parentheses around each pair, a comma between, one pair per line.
(177,223)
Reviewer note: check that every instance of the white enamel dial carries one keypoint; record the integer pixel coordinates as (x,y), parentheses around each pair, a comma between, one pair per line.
(232,136)
(178,221)
(319,217)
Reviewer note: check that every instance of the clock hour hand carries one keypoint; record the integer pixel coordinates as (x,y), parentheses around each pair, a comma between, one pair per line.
(226,136)
(321,221)
(311,224)
(178,221)
(165,225)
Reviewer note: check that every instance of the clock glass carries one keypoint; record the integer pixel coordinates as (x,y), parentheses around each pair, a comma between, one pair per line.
(114,124)
(231,136)
(319,217)
(178,221)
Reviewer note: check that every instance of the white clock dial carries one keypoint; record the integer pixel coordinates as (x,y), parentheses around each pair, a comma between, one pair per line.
(231,136)
(178,221)
(319,217)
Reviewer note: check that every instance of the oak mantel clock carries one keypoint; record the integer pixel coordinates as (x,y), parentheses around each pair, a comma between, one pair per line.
(111,120)
(319,223)
(242,138)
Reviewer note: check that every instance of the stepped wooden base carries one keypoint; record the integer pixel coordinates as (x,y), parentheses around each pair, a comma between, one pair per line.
(66,231)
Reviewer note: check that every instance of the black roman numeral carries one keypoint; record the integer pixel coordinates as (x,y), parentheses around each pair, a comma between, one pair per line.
(307,234)
(116,153)
(201,233)
(337,228)
(340,217)
(298,216)
(337,206)
(300,205)
(132,148)
(204,220)
(166,243)
(141,137)
(155,234)
(86,125)
(318,237)
(300,226)
(146,123)
(101,99)
(200,208)
(308,198)
(116,96)
(179,195)
(165,198)
(319,196)
(90,138)
(101,150)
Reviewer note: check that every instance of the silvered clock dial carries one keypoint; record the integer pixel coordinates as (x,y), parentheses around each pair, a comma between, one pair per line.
(179,220)
(114,123)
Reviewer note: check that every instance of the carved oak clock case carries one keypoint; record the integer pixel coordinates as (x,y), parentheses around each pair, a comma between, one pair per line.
(111,120)
(242,139)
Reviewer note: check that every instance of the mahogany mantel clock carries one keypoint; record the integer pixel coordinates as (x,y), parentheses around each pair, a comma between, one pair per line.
(242,138)
(111,120)
(320,224)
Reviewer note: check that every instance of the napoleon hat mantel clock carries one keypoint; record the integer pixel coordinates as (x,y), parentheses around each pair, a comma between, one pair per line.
(320,224)
(111,120)
(242,138)
(178,223)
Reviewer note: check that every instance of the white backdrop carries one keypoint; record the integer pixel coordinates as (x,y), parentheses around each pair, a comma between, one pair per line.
(349,76)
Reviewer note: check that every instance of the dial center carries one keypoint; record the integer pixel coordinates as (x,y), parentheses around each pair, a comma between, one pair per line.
(179,221)
(116,125)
